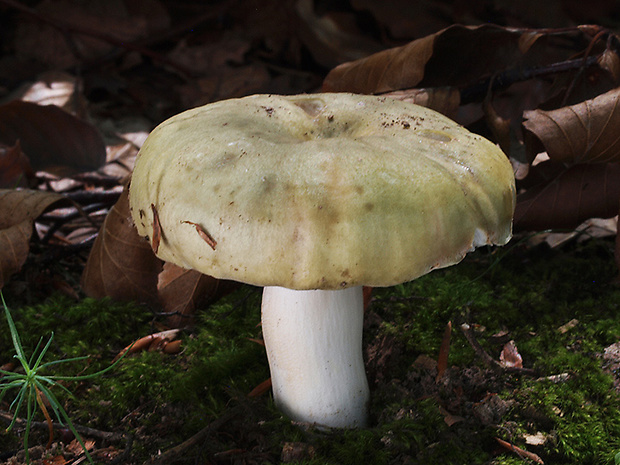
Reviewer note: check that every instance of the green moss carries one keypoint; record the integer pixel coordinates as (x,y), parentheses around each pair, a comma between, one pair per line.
(583,411)
(91,326)
(529,295)
(525,294)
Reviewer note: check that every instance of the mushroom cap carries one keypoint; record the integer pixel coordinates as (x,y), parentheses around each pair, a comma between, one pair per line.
(319,191)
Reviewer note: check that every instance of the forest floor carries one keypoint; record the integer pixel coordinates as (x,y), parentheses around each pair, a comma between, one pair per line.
(533,346)
(558,306)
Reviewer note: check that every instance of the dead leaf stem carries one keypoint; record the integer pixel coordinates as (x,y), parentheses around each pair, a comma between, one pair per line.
(508,77)
(48,419)
(156,230)
(520,452)
(203,234)
(584,65)
(444,352)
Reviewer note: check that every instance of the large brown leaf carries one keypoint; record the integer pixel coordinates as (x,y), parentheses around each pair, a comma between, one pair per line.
(52,139)
(583,133)
(18,211)
(454,56)
(121,264)
(577,194)
(15,169)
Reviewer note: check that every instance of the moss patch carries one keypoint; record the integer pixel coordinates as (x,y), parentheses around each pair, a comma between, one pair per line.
(566,410)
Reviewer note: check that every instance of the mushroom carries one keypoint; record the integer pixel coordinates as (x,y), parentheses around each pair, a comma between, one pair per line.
(312,197)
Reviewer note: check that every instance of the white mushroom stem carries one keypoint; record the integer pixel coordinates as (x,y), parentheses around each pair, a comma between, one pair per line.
(314,346)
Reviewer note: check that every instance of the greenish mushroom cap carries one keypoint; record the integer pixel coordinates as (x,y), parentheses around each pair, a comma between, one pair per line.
(320,191)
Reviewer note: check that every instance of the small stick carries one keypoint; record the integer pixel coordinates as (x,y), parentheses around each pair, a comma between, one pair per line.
(520,452)
(176,452)
(85,430)
(204,234)
(487,359)
(473,342)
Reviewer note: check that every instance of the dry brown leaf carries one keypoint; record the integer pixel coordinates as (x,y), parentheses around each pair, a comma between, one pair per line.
(18,211)
(591,228)
(445,100)
(15,169)
(393,69)
(181,291)
(76,448)
(500,127)
(52,139)
(575,195)
(448,418)
(583,133)
(121,264)
(455,56)
(510,356)
(610,61)
(527,40)
(541,171)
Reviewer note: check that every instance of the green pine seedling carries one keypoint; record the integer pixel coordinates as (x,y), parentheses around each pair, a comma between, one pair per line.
(33,385)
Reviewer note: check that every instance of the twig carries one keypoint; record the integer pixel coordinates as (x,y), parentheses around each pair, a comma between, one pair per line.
(85,430)
(586,56)
(86,197)
(123,458)
(82,204)
(504,79)
(178,451)
(487,359)
(58,221)
(520,452)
